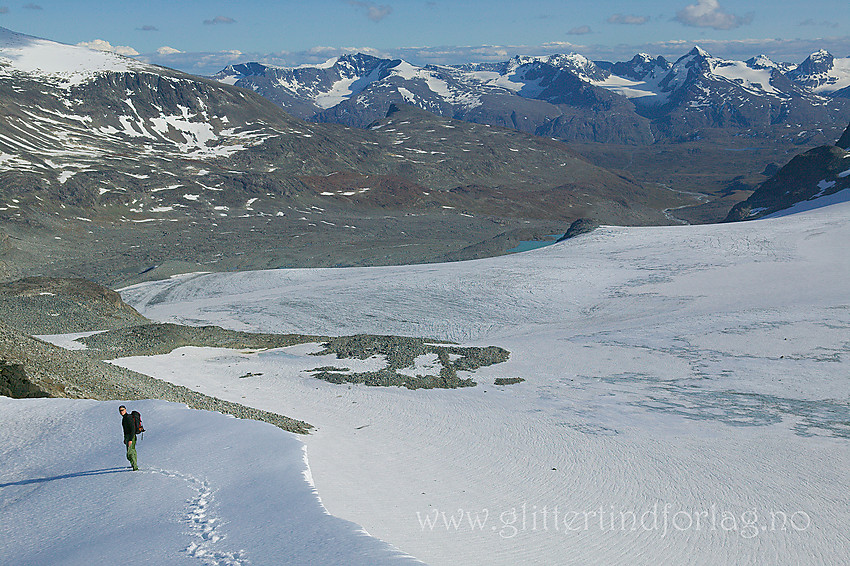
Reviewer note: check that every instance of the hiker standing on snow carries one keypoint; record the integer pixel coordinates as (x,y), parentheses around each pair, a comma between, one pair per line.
(129,427)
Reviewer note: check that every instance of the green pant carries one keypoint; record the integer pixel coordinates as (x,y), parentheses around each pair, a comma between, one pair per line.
(131,453)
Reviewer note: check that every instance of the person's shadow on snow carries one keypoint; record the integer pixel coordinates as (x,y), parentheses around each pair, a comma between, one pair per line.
(68,476)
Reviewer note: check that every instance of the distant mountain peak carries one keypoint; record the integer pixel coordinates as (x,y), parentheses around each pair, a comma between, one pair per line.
(699,51)
(817,62)
(558,95)
(822,73)
(761,62)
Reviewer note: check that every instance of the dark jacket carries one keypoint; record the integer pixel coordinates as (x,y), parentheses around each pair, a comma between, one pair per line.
(129,427)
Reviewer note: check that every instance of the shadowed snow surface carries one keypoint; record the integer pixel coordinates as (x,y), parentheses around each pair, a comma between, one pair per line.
(211,490)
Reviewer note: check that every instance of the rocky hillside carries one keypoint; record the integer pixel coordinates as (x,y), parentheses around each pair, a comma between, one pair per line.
(113,170)
(819,172)
(44,305)
(30,367)
(844,141)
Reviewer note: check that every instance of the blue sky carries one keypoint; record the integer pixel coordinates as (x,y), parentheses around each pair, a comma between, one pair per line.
(204,36)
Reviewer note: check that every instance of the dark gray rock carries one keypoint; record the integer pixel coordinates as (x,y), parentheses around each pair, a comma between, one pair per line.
(580,226)
(844,141)
(809,175)
(400,353)
(14,383)
(770,169)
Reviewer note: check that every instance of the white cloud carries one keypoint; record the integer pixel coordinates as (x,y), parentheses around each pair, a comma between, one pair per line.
(102,45)
(709,14)
(166,50)
(824,23)
(628,20)
(580,30)
(375,12)
(219,20)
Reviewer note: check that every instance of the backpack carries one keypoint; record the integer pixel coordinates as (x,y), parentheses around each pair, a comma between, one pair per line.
(137,420)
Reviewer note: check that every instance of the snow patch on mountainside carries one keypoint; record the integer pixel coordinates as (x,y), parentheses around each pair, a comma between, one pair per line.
(61,144)
(629,88)
(346,87)
(752,79)
(838,77)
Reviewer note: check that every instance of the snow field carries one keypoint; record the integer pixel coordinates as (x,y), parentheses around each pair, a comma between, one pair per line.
(684,400)
(211,490)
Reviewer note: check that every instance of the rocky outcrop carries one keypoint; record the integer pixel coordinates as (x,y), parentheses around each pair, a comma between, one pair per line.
(36,368)
(844,141)
(46,305)
(816,173)
(14,383)
(580,226)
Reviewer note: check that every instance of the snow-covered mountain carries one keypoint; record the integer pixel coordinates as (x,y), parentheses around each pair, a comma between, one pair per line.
(539,95)
(700,91)
(823,73)
(83,127)
(302,90)
(59,64)
(565,96)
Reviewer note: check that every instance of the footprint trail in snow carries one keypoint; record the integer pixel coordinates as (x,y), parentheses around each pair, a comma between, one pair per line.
(204,525)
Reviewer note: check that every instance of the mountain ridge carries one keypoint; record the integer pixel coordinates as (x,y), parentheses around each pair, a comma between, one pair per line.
(172,172)
(640,101)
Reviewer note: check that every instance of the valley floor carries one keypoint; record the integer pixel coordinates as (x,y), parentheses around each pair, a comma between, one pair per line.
(120,252)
